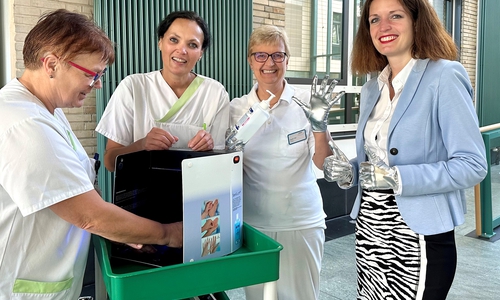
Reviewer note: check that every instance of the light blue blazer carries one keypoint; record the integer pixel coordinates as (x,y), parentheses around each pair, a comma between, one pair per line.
(435,142)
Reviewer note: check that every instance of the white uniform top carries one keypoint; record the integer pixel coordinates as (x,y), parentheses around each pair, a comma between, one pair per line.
(42,163)
(140,100)
(280,192)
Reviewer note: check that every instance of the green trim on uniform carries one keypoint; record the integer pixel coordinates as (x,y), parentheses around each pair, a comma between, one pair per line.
(71,139)
(188,93)
(39,287)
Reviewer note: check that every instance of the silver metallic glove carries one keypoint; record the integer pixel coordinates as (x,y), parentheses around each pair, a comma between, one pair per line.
(320,104)
(232,143)
(375,174)
(337,167)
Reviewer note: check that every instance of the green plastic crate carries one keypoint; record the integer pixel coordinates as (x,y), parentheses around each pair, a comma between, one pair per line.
(257,261)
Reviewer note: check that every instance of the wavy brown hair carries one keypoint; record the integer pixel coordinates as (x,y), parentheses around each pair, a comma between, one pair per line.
(65,34)
(431,40)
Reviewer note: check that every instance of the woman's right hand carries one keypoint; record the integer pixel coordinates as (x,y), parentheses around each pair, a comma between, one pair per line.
(202,141)
(158,139)
(338,168)
(232,143)
(174,234)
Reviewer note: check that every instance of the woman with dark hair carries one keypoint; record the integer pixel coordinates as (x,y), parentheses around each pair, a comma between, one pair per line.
(418,148)
(49,206)
(172,107)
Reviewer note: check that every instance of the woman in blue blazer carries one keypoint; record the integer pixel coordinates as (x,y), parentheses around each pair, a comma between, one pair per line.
(418,147)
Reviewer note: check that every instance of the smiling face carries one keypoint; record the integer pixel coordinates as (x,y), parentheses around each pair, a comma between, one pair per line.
(269,73)
(391,29)
(180,46)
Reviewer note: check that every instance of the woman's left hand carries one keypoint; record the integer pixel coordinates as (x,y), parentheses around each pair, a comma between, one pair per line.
(202,141)
(375,174)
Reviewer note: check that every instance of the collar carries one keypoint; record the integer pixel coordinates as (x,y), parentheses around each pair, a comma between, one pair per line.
(399,81)
(286,94)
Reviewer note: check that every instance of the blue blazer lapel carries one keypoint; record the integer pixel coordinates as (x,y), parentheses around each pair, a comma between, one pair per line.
(409,92)
(366,107)
(368,103)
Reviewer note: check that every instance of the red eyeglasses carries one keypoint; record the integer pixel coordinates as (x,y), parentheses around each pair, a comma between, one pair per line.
(96,76)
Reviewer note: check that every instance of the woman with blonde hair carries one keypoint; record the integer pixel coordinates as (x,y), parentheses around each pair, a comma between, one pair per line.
(281,196)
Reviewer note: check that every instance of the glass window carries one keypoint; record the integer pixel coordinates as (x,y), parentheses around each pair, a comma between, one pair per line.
(321,34)
(450,13)
(316,39)
(336,34)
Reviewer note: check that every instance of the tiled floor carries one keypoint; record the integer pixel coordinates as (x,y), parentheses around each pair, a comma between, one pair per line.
(478,270)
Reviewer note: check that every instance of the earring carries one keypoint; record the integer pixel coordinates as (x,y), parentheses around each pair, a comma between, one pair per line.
(51,76)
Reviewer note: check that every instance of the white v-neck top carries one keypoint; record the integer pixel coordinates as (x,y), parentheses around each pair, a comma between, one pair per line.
(140,100)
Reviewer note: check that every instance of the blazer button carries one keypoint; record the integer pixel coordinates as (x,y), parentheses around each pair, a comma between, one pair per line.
(394,151)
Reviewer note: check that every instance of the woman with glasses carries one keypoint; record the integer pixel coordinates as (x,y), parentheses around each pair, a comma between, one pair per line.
(172,107)
(48,204)
(281,196)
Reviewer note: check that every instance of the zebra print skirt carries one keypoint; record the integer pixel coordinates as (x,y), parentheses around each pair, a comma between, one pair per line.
(387,250)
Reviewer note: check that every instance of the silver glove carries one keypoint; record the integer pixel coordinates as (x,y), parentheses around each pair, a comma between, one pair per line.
(232,143)
(375,174)
(337,167)
(320,104)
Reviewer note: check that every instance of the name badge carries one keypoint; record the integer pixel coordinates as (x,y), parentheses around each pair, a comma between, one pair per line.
(296,137)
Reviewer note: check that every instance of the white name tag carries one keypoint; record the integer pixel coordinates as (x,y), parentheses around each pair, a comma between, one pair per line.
(296,137)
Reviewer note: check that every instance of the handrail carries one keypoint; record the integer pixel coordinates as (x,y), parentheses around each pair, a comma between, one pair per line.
(480,231)
(490,127)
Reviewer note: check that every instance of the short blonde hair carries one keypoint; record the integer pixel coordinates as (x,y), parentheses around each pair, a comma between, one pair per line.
(268,35)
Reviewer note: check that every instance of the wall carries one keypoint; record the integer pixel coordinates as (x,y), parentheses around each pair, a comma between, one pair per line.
(469,38)
(269,12)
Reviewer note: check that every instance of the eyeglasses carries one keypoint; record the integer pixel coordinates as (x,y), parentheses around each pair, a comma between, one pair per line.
(97,76)
(262,57)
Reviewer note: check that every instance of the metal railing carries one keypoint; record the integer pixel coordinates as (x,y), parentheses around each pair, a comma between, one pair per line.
(486,222)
